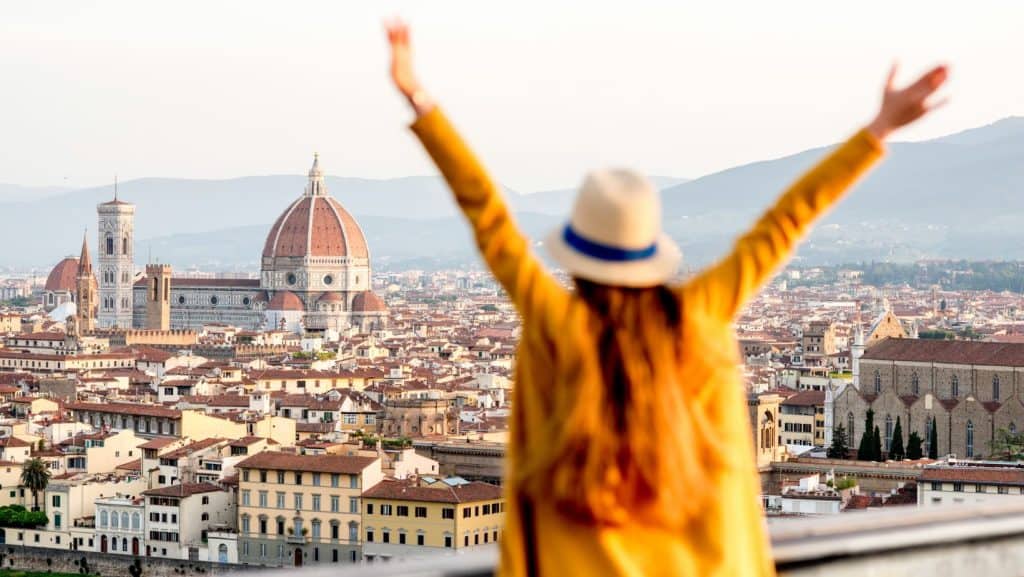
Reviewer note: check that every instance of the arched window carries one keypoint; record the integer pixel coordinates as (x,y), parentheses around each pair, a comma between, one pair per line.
(928,424)
(1013,428)
(888,432)
(316,528)
(136,521)
(915,384)
(204,517)
(353,531)
(124,245)
(849,428)
(124,521)
(110,244)
(113,521)
(970,439)
(955,385)
(878,382)
(103,519)
(124,544)
(995,387)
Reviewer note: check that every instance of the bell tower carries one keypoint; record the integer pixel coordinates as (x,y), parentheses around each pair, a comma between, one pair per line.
(117,270)
(158,297)
(85,289)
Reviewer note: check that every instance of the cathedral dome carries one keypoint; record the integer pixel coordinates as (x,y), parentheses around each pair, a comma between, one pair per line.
(368,302)
(285,301)
(62,277)
(316,225)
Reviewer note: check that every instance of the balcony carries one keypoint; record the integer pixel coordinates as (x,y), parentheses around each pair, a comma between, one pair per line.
(980,541)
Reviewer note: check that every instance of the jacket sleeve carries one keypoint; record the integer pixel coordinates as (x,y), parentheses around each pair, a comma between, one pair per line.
(723,289)
(503,247)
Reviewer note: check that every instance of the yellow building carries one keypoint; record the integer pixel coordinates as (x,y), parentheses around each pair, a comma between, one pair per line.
(419,516)
(295,510)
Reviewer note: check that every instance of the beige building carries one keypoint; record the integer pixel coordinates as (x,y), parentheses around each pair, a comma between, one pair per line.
(802,419)
(296,510)
(764,421)
(419,516)
(819,341)
(179,517)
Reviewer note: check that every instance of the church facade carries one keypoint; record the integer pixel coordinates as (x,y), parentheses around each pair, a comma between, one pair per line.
(968,390)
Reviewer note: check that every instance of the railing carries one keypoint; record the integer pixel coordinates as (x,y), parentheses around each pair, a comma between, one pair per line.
(976,540)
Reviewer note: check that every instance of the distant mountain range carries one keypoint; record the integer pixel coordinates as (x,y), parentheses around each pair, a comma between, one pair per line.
(959,196)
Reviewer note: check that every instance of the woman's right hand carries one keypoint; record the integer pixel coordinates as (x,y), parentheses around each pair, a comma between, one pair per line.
(901,107)
(401,65)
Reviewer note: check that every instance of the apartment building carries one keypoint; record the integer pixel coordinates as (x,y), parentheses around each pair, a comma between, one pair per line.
(179,517)
(302,509)
(422,515)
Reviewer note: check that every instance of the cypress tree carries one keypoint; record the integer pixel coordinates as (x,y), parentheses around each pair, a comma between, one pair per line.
(864,450)
(896,452)
(876,446)
(914,446)
(933,442)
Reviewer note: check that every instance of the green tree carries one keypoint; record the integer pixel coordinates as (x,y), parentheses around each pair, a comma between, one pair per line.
(864,452)
(914,446)
(896,452)
(839,448)
(35,476)
(876,446)
(933,441)
(1007,446)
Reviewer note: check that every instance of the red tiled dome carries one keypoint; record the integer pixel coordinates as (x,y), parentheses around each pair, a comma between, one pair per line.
(63,276)
(286,301)
(368,302)
(329,231)
(330,298)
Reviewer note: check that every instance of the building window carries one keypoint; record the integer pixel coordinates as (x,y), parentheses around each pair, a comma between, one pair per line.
(385,509)
(245,497)
(878,382)
(353,481)
(420,539)
(979,488)
(385,536)
(1003,490)
(970,439)
(316,528)
(353,505)
(245,523)
(448,541)
(316,479)
(335,480)
(955,385)
(280,525)
(402,511)
(263,499)
(280,500)
(915,384)
(447,513)
(369,508)
(298,501)
(369,535)
(995,387)
(316,502)
(263,477)
(421,512)
(888,432)
(56,500)
(280,477)
(263,525)
(467,512)
(298,478)
(335,504)
(401,537)
(353,531)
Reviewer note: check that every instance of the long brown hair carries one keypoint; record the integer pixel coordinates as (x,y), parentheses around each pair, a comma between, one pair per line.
(632,445)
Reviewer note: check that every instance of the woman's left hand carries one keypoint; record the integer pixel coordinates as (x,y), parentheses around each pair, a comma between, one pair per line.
(401,59)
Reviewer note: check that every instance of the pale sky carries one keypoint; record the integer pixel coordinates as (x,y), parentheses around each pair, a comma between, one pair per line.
(543,89)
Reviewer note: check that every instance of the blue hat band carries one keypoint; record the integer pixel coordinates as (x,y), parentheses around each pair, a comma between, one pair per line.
(603,251)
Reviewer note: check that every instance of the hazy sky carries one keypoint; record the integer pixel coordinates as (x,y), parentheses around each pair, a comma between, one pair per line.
(543,89)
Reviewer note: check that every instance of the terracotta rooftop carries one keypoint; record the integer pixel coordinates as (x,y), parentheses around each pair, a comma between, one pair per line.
(183,490)
(330,231)
(314,463)
(439,492)
(951,352)
(63,276)
(128,409)
(989,475)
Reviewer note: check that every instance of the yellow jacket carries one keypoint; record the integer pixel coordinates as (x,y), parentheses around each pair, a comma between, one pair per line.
(729,538)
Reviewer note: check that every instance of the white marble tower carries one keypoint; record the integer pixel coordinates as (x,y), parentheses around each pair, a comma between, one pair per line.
(116,268)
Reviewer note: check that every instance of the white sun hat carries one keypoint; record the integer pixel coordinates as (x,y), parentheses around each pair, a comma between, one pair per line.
(614,234)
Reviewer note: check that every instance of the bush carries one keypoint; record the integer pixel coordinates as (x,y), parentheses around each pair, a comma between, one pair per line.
(19,517)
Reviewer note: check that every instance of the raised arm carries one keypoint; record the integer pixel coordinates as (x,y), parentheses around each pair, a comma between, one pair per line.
(503,246)
(723,289)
